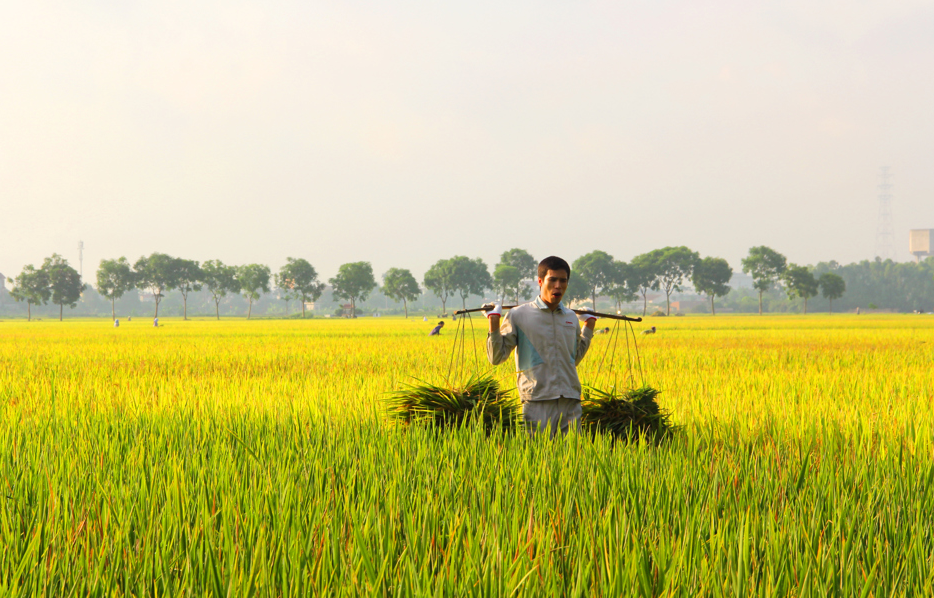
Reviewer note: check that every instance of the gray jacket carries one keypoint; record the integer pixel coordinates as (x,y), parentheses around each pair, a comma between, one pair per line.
(549,345)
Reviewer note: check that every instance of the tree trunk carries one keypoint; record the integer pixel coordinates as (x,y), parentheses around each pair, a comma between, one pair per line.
(712,311)
(61,308)
(406,307)
(250,310)
(185,304)
(805,306)
(645,303)
(157,307)
(444,310)
(593,297)
(830,306)
(113,309)
(303,307)
(28,311)
(760,303)
(217,308)
(353,307)
(667,304)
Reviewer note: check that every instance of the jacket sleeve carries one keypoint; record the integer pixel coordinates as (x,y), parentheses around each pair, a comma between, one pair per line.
(583,343)
(500,344)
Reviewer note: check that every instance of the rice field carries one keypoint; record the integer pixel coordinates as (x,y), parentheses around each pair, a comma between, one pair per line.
(252,458)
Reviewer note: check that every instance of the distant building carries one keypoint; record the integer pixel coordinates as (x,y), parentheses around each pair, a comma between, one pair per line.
(921,243)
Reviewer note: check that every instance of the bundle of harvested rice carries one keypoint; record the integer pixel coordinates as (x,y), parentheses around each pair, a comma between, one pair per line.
(480,397)
(625,414)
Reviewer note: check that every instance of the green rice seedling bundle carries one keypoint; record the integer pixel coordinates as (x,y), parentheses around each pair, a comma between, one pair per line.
(625,414)
(480,398)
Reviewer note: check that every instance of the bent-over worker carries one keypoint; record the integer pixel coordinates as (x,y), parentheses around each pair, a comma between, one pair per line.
(436,331)
(549,345)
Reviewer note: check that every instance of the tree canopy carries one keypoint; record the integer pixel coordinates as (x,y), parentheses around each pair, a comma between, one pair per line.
(800,282)
(832,287)
(114,279)
(302,278)
(506,281)
(526,268)
(672,265)
(188,277)
(253,280)
(32,286)
(157,274)
(711,277)
(64,282)
(766,267)
(640,275)
(353,281)
(400,285)
(219,279)
(439,279)
(598,271)
(469,277)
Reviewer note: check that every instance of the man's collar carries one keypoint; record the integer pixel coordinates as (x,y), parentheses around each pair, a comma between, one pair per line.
(540,304)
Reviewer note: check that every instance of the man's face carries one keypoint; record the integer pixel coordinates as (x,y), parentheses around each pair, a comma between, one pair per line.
(553,285)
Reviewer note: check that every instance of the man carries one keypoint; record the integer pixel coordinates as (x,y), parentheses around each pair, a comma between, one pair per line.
(436,331)
(549,345)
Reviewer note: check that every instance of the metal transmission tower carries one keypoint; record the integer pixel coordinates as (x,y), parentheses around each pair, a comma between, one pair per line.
(885,233)
(81,258)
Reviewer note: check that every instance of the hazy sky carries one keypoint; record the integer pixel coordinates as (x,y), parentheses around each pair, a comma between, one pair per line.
(403,132)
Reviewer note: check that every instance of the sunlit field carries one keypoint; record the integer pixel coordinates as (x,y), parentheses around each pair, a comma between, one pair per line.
(252,458)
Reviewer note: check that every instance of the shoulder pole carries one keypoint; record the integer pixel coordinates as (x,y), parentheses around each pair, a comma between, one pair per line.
(488,307)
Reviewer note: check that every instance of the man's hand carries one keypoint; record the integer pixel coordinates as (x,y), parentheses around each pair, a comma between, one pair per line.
(588,318)
(494,315)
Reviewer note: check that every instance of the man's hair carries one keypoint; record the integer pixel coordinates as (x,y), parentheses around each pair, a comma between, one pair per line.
(552,262)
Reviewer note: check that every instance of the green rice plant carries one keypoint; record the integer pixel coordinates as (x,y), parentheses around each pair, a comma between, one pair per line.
(625,414)
(479,398)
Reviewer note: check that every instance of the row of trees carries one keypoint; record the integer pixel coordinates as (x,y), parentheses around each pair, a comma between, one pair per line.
(596,274)
(768,268)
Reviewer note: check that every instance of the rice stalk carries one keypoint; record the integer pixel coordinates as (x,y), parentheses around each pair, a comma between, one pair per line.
(480,398)
(625,414)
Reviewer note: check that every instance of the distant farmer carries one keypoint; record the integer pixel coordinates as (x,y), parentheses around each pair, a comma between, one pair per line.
(649,331)
(436,331)
(155,321)
(116,323)
(549,345)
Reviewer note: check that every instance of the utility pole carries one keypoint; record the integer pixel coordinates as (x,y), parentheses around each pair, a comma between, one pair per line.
(81,259)
(885,234)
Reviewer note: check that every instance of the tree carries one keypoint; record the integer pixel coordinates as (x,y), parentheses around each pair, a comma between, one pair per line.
(766,266)
(622,290)
(33,287)
(577,290)
(711,277)
(527,267)
(439,279)
(506,280)
(220,280)
(400,285)
(598,270)
(800,282)
(254,281)
(157,274)
(832,287)
(286,291)
(672,266)
(188,277)
(302,278)
(64,282)
(469,277)
(353,281)
(114,279)
(640,275)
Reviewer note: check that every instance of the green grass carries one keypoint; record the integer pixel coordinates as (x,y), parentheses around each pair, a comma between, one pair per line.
(240,458)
